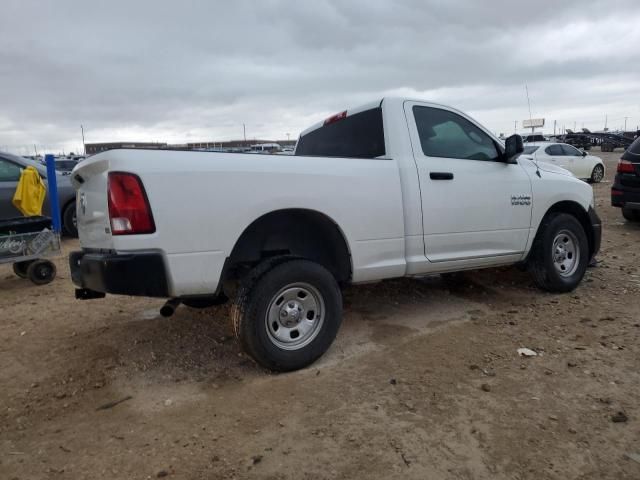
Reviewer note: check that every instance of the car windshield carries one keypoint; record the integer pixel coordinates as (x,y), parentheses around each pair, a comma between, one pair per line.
(66,165)
(530,149)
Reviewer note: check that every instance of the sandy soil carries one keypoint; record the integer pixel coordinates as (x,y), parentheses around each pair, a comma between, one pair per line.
(424,381)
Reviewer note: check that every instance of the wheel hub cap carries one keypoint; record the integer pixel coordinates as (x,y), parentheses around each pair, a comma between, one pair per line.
(295,316)
(291,313)
(566,253)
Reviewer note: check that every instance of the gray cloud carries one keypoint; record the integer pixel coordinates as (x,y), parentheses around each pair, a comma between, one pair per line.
(177,71)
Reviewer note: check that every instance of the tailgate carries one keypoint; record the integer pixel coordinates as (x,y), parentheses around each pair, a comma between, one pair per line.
(90,180)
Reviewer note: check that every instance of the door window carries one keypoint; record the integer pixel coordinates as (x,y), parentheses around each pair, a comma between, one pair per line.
(571,151)
(9,171)
(447,134)
(554,150)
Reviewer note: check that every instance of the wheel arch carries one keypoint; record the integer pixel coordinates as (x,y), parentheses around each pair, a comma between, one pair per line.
(578,212)
(298,232)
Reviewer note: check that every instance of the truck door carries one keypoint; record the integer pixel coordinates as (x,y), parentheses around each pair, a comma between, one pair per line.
(474,205)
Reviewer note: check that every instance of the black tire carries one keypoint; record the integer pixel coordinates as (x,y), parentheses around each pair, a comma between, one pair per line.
(597,175)
(559,226)
(260,291)
(631,215)
(41,272)
(20,268)
(69,223)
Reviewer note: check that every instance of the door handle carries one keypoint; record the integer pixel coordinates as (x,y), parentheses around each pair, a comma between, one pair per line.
(441,175)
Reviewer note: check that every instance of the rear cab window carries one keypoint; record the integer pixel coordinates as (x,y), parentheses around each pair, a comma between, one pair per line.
(360,135)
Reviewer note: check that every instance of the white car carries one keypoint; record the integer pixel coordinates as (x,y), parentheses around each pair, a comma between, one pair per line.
(394,188)
(582,165)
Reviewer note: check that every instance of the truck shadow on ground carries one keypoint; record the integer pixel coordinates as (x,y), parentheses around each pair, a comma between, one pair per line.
(199,346)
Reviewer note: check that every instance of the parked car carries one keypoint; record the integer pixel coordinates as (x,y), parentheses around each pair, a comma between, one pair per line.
(533,137)
(394,188)
(581,164)
(65,165)
(625,192)
(10,169)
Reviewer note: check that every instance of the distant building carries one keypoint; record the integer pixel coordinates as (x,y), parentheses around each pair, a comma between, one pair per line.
(93,148)
(238,144)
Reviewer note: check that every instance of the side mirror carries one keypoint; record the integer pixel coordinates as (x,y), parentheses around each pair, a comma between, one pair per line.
(513,147)
(584,154)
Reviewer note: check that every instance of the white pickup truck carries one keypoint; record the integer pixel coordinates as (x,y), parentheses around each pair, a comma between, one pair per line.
(394,188)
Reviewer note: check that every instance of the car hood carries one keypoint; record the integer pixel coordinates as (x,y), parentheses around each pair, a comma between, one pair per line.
(549,167)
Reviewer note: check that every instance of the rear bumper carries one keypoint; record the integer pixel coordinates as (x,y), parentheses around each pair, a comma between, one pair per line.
(141,274)
(625,196)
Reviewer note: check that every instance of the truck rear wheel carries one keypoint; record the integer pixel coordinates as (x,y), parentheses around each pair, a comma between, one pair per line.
(560,253)
(287,313)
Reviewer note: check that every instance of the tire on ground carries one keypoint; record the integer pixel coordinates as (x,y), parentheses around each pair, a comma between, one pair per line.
(541,263)
(631,215)
(41,272)
(259,291)
(597,175)
(68,224)
(20,268)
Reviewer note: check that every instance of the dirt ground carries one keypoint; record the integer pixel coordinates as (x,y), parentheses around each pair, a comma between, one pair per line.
(423,382)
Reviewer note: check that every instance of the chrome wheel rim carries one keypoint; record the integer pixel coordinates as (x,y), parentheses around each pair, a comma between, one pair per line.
(598,173)
(295,316)
(566,253)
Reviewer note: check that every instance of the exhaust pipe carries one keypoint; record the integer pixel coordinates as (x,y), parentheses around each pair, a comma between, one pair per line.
(169,307)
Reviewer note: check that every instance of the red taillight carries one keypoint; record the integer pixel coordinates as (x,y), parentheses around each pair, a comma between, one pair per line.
(625,166)
(129,209)
(335,118)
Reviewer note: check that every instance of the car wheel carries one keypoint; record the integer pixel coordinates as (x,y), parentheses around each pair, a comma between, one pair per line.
(41,272)
(560,253)
(70,220)
(597,174)
(631,215)
(287,314)
(20,268)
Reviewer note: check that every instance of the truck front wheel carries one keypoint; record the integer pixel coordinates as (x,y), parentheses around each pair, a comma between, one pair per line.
(287,314)
(560,253)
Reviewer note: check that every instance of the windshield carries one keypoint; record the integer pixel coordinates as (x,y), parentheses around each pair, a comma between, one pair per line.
(530,150)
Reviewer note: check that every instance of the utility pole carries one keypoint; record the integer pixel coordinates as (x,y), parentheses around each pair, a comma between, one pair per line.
(606,117)
(35,149)
(244,131)
(515,126)
(554,128)
(84,148)
(288,135)
(625,123)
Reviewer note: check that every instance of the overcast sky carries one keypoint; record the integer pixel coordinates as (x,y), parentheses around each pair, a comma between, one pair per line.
(179,71)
